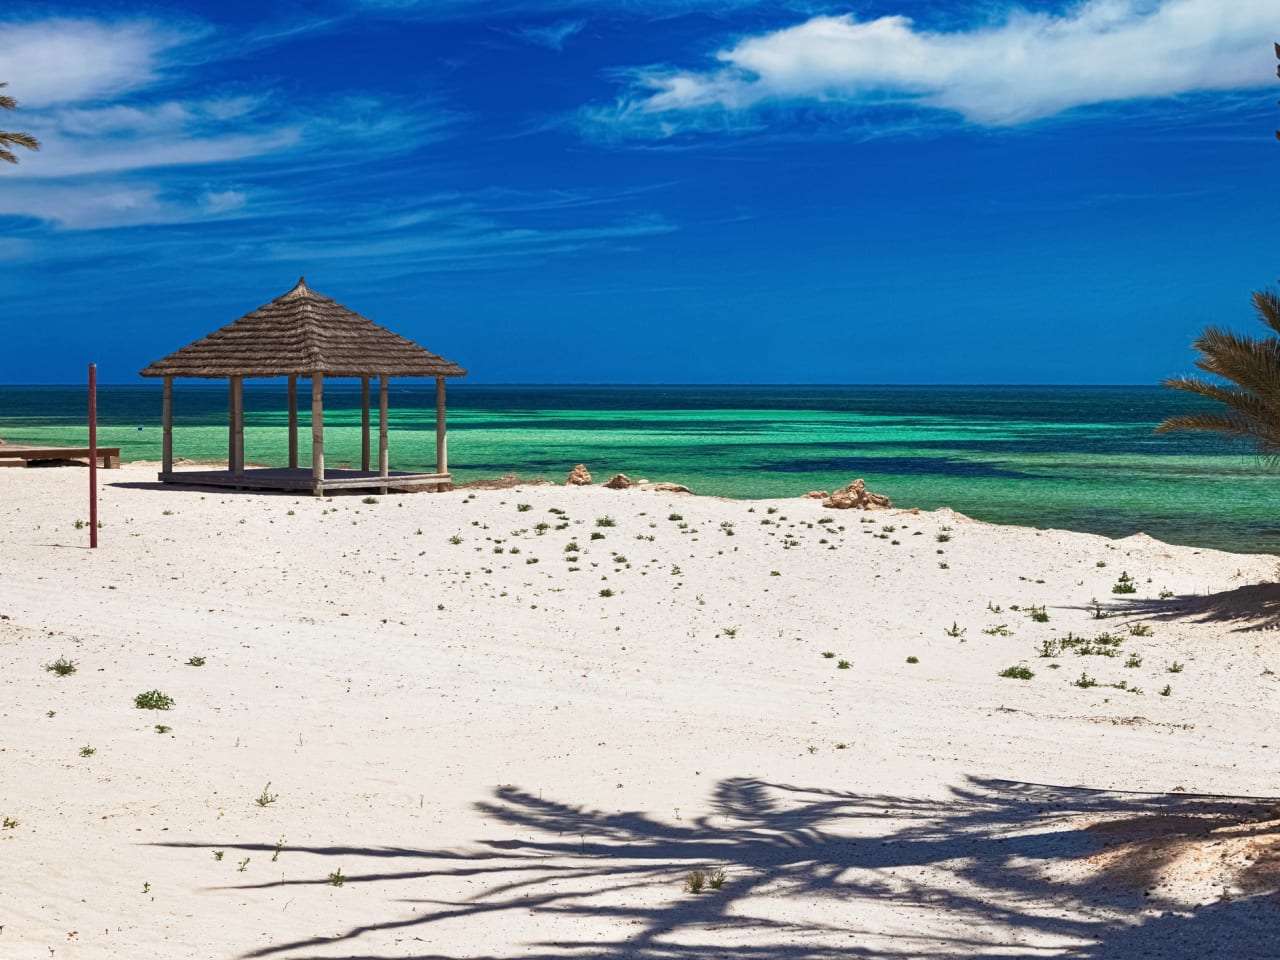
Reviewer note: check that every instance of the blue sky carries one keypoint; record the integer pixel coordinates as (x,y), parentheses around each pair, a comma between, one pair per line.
(875,191)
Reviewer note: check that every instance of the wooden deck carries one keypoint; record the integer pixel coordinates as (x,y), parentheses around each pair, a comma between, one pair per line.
(299,479)
(19,455)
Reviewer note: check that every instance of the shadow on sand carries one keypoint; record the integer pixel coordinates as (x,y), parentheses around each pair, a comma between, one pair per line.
(1077,872)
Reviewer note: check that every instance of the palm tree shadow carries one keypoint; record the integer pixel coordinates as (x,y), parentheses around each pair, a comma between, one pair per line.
(1247,609)
(1065,868)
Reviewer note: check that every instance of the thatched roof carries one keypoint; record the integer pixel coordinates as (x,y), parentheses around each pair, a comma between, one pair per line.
(303,333)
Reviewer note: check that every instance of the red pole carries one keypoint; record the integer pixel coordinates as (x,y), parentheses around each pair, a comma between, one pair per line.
(93,455)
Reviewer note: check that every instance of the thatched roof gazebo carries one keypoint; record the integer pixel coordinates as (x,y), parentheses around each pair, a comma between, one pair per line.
(304,334)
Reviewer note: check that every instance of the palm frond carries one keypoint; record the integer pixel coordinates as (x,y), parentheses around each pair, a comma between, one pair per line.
(20,139)
(1267,303)
(1252,364)
(7,156)
(7,103)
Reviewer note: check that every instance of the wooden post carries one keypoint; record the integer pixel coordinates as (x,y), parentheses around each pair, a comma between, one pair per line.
(93,456)
(231,425)
(442,446)
(317,434)
(166,425)
(293,422)
(384,466)
(364,424)
(237,426)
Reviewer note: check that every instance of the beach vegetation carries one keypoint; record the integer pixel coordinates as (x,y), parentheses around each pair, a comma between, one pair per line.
(729,631)
(523,507)
(196,661)
(62,667)
(265,798)
(1038,614)
(455,539)
(943,537)
(1098,612)
(606,522)
(606,592)
(843,665)
(994,607)
(162,728)
(336,879)
(1084,681)
(1125,584)
(9,823)
(1175,667)
(153,700)
(943,565)
(913,659)
(999,630)
(675,516)
(1140,630)
(1166,691)
(716,878)
(829,654)
(597,535)
(88,751)
(694,881)
(1050,647)
(1019,672)
(1134,661)
(369,500)
(955,630)
(219,854)
(243,865)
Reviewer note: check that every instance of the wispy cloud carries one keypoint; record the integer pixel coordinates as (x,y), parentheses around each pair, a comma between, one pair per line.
(1020,67)
(553,36)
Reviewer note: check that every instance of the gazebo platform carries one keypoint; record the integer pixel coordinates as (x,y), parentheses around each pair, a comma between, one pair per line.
(301,480)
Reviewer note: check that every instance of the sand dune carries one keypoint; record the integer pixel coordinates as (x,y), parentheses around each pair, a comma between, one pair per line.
(472,740)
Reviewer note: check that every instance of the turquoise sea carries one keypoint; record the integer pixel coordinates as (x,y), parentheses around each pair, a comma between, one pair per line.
(1080,458)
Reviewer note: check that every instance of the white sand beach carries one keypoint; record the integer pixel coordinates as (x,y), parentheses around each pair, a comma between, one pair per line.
(468,743)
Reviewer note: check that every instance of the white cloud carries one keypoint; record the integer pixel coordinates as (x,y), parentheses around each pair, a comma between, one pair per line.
(552,36)
(1023,67)
(78,61)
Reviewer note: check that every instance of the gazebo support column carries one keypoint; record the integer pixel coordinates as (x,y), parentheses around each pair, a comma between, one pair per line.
(293,422)
(442,443)
(235,451)
(317,434)
(364,424)
(166,421)
(384,462)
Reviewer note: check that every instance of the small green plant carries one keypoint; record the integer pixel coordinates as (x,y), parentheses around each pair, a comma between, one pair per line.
(674,516)
(999,630)
(1166,691)
(994,607)
(943,565)
(523,507)
(943,537)
(843,665)
(572,547)
(1038,614)
(913,659)
(1050,647)
(1019,672)
(265,799)
(62,667)
(88,751)
(455,539)
(279,846)
(1084,681)
(694,881)
(9,823)
(79,524)
(606,592)
(605,522)
(729,631)
(336,879)
(1175,667)
(243,865)
(597,535)
(1125,584)
(153,700)
(829,654)
(1133,661)
(218,854)
(1101,563)
(369,500)
(1140,630)
(1098,612)
(161,728)
(716,878)
(1166,594)
(196,662)
(955,630)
